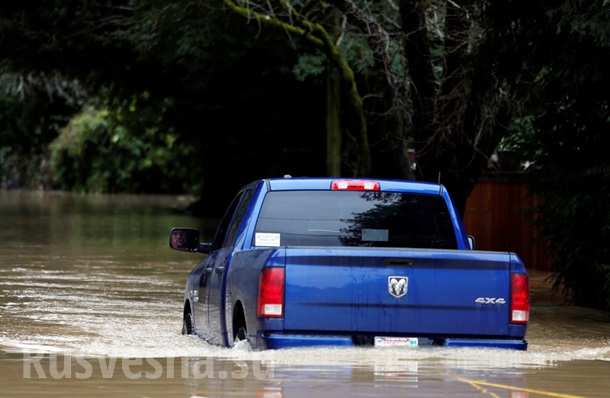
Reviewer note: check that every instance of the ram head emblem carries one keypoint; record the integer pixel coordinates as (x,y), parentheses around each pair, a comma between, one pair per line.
(398,285)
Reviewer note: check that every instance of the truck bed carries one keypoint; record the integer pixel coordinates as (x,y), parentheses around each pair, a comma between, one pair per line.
(448,293)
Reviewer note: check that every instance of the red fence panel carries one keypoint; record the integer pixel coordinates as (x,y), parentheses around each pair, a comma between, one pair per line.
(500,213)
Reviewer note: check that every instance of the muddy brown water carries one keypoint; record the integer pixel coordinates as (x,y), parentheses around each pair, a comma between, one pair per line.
(90,306)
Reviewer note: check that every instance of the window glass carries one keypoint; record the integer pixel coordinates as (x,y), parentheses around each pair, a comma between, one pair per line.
(350,218)
(238,217)
(221,232)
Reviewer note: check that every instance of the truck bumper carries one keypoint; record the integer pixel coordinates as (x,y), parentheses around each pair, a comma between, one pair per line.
(280,340)
(487,343)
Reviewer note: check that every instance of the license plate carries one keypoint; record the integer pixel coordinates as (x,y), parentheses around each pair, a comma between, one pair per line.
(384,341)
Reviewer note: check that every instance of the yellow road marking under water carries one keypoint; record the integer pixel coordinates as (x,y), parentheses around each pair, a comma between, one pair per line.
(479,383)
(481,389)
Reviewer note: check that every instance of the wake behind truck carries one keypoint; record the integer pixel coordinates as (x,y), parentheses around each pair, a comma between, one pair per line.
(313,261)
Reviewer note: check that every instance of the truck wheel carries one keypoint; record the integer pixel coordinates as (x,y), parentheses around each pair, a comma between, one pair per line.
(187,321)
(242,334)
(240,330)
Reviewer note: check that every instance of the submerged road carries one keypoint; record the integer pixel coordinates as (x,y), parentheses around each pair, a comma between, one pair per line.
(90,305)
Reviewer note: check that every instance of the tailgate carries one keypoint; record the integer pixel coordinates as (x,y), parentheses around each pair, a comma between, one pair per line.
(408,292)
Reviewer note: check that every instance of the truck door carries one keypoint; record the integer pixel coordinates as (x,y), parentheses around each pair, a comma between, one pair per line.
(202,318)
(199,296)
(227,234)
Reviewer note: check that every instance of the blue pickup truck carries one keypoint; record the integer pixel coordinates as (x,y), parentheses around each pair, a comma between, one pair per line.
(313,261)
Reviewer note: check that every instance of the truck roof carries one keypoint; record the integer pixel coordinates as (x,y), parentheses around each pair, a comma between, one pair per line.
(316,184)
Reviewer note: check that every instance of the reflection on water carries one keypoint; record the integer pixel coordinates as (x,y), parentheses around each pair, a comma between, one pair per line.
(205,377)
(91,277)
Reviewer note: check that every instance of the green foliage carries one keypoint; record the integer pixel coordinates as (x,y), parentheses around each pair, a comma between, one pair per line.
(577,223)
(123,147)
(564,131)
(32,111)
(521,138)
(572,175)
(397,64)
(358,53)
(309,65)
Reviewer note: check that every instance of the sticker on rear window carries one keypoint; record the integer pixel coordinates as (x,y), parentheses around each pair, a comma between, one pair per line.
(267,239)
(375,235)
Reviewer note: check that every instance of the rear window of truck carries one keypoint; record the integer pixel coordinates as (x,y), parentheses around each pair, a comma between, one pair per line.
(354,218)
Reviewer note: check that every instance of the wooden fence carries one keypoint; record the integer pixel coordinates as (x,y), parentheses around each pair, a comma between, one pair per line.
(500,215)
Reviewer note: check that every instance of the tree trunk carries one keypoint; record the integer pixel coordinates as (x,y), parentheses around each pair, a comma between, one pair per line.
(333,123)
(356,113)
(420,70)
(364,164)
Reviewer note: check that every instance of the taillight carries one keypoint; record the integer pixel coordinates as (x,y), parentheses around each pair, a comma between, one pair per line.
(354,185)
(271,293)
(519,299)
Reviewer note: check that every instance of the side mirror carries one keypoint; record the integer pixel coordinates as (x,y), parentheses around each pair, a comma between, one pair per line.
(187,240)
(471,242)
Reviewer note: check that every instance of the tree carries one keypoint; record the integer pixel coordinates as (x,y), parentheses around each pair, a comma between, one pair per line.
(464,88)
(285,16)
(33,107)
(563,134)
(233,95)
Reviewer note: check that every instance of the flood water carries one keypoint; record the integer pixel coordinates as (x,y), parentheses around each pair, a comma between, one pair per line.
(91,300)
